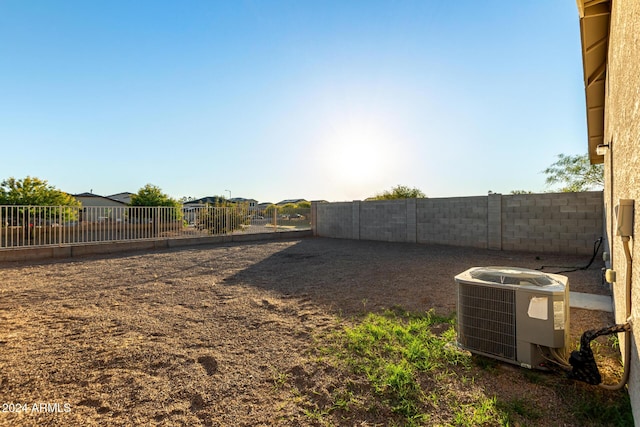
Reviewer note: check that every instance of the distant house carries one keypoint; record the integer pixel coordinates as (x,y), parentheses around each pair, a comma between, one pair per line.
(264,205)
(97,208)
(294,201)
(203,201)
(90,199)
(190,209)
(253,204)
(122,197)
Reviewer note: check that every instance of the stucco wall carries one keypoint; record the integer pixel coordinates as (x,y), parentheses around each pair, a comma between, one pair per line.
(622,162)
(550,222)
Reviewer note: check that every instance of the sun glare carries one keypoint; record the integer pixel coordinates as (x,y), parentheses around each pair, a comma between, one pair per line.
(356,155)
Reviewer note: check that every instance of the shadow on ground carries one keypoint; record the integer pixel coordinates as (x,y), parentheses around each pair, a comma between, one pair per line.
(355,276)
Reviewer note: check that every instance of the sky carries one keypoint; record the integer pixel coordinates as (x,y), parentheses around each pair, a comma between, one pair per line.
(272,100)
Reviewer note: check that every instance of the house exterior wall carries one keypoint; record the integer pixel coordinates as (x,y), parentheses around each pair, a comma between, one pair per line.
(91,211)
(550,222)
(99,201)
(622,165)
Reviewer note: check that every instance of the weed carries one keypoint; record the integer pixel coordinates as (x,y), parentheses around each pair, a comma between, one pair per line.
(343,399)
(483,412)
(390,350)
(486,363)
(317,415)
(600,407)
(279,379)
(534,377)
(413,370)
(522,407)
(614,341)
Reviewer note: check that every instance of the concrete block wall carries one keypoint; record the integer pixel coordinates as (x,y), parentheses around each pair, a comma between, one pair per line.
(552,222)
(459,221)
(549,222)
(384,220)
(335,219)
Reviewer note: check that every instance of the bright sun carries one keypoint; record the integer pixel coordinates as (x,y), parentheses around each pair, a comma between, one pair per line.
(357,154)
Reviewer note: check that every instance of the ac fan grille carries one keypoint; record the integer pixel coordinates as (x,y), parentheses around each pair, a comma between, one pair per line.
(487,320)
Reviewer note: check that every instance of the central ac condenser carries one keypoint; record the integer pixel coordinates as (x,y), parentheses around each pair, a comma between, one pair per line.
(513,314)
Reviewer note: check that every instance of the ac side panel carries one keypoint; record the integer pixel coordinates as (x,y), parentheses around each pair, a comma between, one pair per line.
(487,320)
(529,355)
(542,318)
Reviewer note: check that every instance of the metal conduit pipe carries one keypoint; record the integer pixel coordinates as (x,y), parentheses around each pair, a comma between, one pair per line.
(627,334)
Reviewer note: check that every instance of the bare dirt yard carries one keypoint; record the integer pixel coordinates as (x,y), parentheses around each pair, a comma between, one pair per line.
(226,335)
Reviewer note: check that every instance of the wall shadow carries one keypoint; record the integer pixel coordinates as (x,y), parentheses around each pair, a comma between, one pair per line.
(350,277)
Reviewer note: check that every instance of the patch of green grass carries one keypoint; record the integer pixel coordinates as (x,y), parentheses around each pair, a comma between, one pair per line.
(317,416)
(393,348)
(405,370)
(614,341)
(486,363)
(482,412)
(279,379)
(533,376)
(343,399)
(523,407)
(596,406)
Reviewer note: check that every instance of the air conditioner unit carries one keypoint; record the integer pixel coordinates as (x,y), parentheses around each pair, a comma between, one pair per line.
(513,314)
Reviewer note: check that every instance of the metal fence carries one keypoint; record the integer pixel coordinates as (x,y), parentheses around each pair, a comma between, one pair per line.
(32,226)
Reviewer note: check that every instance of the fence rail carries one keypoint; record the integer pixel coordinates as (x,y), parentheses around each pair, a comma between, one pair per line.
(37,226)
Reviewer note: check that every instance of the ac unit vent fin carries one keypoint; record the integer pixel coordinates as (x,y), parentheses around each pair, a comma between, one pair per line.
(487,320)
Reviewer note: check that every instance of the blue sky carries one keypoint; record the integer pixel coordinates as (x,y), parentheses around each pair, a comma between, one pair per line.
(334,100)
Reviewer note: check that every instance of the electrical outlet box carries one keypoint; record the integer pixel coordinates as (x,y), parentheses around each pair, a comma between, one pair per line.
(624,214)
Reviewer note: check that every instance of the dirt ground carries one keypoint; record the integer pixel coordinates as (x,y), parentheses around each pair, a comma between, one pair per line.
(200,336)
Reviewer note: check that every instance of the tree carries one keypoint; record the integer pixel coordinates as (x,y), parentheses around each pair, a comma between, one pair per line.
(34,192)
(575,173)
(29,192)
(151,195)
(270,210)
(223,217)
(399,192)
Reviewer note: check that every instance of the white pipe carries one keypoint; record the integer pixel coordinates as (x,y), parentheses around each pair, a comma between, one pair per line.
(627,334)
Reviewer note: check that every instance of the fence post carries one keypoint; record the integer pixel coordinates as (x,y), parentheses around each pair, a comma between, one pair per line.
(355,220)
(314,218)
(494,221)
(154,220)
(412,232)
(275,219)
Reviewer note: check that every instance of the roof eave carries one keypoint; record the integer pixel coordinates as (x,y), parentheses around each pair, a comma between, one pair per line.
(595,16)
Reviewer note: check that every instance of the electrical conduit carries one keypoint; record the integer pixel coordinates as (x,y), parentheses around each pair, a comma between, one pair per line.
(627,334)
